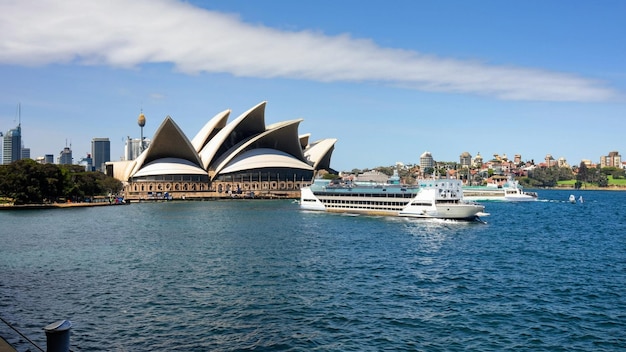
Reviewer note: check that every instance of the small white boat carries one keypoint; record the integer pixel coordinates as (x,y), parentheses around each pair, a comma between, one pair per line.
(511,191)
(572,198)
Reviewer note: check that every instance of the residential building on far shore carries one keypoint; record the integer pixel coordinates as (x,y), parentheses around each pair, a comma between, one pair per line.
(426,160)
(550,161)
(465,159)
(611,160)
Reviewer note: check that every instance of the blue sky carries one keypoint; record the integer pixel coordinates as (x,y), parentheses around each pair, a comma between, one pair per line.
(389,79)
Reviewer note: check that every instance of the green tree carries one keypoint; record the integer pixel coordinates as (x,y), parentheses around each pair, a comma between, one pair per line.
(596,176)
(22,181)
(113,185)
(565,173)
(55,183)
(545,177)
(616,172)
(28,182)
(387,170)
(603,180)
(583,173)
(619,173)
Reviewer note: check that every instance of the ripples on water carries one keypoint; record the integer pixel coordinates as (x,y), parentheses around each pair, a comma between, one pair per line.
(263,275)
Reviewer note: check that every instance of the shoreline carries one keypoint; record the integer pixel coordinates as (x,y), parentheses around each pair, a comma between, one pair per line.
(56,205)
(592,188)
(100,204)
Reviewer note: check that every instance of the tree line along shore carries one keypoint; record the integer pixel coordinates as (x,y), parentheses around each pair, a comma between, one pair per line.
(26,183)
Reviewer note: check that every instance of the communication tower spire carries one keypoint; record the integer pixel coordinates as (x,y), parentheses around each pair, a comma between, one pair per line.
(141,121)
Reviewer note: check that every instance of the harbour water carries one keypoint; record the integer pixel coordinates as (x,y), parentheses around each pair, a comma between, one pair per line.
(264,275)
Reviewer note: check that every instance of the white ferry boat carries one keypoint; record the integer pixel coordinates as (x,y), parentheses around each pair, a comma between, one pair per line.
(510,191)
(436,198)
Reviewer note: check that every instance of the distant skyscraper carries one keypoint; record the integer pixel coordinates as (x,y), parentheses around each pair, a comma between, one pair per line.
(100,152)
(47,159)
(87,162)
(25,153)
(66,156)
(133,147)
(12,145)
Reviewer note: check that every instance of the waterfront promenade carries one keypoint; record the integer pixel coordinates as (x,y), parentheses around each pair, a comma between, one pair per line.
(187,196)
(57,205)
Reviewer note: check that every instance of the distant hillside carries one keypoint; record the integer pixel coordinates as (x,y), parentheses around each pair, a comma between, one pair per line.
(614,184)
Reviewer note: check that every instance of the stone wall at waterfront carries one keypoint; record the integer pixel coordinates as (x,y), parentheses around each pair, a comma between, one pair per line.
(180,190)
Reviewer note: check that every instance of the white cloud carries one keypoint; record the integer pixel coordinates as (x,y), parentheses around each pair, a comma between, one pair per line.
(129,33)
(157,96)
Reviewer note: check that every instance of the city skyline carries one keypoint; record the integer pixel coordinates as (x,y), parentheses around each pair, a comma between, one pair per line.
(389,82)
(130,143)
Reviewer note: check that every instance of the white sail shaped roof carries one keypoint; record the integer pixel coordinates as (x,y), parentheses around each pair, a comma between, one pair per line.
(207,132)
(304,140)
(319,153)
(168,142)
(281,136)
(170,166)
(246,125)
(222,147)
(263,158)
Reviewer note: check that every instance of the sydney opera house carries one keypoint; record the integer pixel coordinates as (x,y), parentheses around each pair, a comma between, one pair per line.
(243,158)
